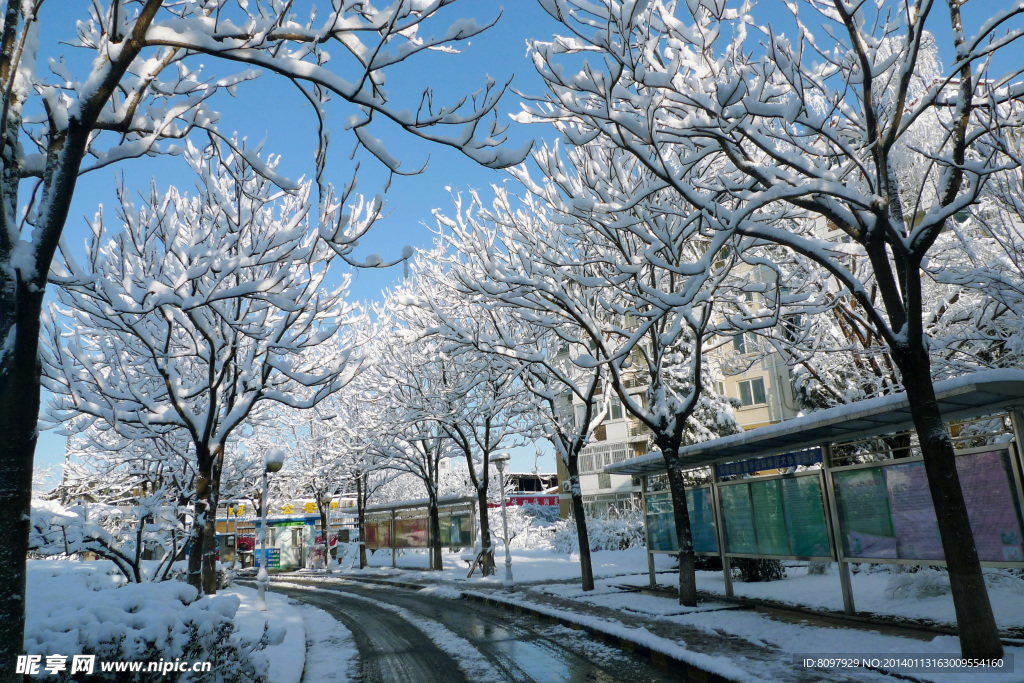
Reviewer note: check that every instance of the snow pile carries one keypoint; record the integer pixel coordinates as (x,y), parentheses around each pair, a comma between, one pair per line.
(83,608)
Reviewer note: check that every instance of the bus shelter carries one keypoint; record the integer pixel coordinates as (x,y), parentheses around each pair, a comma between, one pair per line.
(847,484)
(405,524)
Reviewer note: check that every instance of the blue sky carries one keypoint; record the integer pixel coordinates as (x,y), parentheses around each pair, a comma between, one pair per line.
(271,111)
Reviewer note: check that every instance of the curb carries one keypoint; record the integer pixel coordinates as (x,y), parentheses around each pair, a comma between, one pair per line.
(669,663)
(660,659)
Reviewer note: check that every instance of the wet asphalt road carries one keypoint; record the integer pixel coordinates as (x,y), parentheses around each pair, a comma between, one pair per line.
(392,628)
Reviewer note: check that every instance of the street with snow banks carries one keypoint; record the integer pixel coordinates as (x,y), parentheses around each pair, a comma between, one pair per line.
(407,624)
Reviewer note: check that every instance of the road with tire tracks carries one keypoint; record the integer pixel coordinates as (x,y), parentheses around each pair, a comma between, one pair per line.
(411,636)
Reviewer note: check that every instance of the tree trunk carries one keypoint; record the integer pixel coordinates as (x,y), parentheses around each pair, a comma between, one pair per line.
(17,445)
(20,315)
(434,534)
(210,552)
(197,537)
(202,559)
(586,567)
(485,534)
(979,635)
(681,515)
(361,519)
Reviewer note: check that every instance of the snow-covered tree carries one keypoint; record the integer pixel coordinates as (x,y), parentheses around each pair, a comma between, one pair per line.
(635,287)
(541,357)
(480,398)
(324,460)
(138,78)
(124,535)
(407,376)
(194,312)
(776,138)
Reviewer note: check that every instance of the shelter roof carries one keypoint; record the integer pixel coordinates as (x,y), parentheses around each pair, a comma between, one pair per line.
(968,396)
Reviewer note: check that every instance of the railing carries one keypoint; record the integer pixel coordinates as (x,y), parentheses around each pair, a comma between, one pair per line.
(637,428)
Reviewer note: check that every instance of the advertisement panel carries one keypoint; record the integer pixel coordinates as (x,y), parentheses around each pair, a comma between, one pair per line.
(886,511)
(769,518)
(805,517)
(411,532)
(913,515)
(455,531)
(739,521)
(378,534)
(273,556)
(865,521)
(661,525)
(702,520)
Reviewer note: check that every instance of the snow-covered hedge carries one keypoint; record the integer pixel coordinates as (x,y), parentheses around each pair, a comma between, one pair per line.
(625,530)
(139,622)
(115,533)
(539,528)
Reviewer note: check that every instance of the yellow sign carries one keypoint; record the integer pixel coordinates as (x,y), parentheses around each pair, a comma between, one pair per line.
(334,504)
(288,509)
(310,508)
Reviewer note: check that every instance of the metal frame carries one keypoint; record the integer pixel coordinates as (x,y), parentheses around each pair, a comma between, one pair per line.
(716,506)
(832,519)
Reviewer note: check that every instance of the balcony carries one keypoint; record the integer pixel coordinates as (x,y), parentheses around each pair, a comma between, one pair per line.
(637,429)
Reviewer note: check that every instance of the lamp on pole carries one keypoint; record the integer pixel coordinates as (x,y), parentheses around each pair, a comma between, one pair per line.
(500,460)
(233,512)
(272,462)
(327,498)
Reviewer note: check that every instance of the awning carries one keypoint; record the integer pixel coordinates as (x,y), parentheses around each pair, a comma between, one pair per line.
(974,395)
(442,501)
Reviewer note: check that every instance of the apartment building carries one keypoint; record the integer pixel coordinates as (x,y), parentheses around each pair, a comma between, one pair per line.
(759,381)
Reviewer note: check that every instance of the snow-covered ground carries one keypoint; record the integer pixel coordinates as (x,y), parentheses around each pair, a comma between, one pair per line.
(873,593)
(541,573)
(71,602)
(528,565)
(872,590)
(86,594)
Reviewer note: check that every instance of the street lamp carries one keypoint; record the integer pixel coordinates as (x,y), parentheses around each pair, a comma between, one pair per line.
(233,512)
(272,462)
(500,460)
(327,498)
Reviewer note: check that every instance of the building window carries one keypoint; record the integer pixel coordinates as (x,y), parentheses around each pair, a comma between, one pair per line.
(791,327)
(744,342)
(720,388)
(616,409)
(581,412)
(604,481)
(752,392)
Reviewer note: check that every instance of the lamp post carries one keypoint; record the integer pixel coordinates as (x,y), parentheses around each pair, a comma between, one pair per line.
(500,460)
(233,512)
(327,498)
(272,462)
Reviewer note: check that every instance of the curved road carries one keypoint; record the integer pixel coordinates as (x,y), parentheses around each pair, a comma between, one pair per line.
(405,635)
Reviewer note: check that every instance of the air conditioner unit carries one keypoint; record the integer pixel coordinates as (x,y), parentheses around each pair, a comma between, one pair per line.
(566,487)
